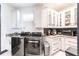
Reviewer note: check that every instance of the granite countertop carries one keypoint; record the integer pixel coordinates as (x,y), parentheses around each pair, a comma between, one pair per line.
(61,36)
(22,37)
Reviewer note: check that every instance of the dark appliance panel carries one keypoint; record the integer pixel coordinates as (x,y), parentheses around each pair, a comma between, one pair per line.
(25,33)
(38,34)
(15,44)
(31,46)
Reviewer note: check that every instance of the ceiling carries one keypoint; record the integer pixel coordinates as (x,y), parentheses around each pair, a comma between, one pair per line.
(60,6)
(19,5)
(56,6)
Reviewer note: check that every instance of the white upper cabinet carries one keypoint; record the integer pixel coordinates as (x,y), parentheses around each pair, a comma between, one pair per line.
(74,15)
(40,17)
(37,16)
(69,17)
(45,17)
(49,18)
(52,18)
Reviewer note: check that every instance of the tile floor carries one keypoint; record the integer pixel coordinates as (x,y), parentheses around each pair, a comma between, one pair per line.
(59,53)
(6,54)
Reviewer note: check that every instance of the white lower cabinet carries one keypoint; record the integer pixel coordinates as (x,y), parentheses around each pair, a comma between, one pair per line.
(60,43)
(67,41)
(54,44)
(71,41)
(8,42)
(54,47)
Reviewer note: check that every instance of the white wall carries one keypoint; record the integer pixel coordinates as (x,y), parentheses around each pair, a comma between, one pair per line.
(28,25)
(8,18)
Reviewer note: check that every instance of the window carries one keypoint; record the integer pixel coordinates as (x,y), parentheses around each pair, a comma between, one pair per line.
(27,17)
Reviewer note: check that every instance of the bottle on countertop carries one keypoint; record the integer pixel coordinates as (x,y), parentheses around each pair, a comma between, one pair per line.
(49,32)
(54,32)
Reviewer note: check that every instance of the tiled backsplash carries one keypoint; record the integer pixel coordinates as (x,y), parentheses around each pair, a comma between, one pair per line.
(64,31)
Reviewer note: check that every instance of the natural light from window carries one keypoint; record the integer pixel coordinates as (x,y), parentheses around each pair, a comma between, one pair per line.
(27,17)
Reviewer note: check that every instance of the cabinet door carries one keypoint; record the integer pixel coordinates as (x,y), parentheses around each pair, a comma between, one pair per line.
(69,17)
(59,19)
(14,19)
(70,41)
(74,16)
(62,42)
(50,18)
(8,45)
(66,45)
(44,18)
(37,17)
(55,45)
(53,17)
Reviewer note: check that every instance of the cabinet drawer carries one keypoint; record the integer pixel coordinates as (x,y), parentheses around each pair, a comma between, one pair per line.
(71,40)
(55,43)
(71,43)
(53,47)
(52,51)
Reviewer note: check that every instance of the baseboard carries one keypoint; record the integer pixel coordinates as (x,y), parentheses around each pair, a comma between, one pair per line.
(1,52)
